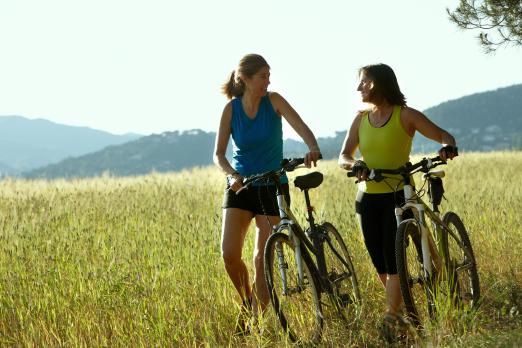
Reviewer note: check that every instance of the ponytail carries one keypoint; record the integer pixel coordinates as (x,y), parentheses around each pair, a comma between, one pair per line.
(233,87)
(248,66)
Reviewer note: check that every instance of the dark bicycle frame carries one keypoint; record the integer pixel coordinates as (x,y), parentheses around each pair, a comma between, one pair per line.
(313,240)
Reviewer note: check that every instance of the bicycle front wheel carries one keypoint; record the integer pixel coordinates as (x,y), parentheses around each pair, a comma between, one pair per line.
(295,298)
(415,287)
(462,276)
(341,275)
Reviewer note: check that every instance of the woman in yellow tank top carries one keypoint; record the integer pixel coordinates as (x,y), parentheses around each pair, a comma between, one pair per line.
(383,133)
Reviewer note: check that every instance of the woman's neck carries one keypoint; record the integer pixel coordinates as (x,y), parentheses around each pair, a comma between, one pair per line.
(380,114)
(250,99)
(381,110)
(250,103)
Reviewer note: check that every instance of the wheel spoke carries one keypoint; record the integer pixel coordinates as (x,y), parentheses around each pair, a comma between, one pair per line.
(463,282)
(296,302)
(341,275)
(414,286)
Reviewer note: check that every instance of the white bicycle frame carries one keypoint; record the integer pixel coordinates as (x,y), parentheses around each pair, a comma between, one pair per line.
(418,207)
(288,218)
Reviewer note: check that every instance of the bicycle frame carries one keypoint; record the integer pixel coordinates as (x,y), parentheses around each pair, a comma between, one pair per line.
(311,244)
(420,209)
(295,233)
(431,251)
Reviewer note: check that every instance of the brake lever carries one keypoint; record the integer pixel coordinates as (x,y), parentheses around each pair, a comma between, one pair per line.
(291,165)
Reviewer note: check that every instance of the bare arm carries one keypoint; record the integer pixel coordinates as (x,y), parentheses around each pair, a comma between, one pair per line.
(283,108)
(350,144)
(220,148)
(413,120)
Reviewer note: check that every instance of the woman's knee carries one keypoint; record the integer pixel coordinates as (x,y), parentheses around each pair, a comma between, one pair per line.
(230,256)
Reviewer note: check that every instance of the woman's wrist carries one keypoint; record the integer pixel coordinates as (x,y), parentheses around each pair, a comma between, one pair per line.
(233,175)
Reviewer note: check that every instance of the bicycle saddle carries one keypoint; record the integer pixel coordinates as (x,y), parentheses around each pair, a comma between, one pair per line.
(308,181)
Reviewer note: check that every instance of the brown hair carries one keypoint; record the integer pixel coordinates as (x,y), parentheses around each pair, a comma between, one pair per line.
(248,66)
(385,85)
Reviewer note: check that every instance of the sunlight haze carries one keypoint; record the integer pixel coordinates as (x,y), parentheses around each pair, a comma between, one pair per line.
(155,66)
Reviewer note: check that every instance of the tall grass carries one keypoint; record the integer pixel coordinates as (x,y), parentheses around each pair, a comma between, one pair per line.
(136,261)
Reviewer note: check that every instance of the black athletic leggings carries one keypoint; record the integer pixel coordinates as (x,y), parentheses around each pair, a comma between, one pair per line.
(376,212)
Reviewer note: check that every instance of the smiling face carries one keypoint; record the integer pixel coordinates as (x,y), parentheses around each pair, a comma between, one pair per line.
(365,87)
(378,84)
(258,83)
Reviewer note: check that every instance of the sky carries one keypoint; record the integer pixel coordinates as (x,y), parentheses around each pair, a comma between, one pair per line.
(150,66)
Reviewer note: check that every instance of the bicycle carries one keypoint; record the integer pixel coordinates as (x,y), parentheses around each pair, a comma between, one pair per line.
(430,267)
(295,282)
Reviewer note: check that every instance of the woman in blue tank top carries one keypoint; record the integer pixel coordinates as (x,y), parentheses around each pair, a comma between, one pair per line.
(252,118)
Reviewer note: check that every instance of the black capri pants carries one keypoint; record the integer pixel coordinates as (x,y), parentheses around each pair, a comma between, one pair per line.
(376,213)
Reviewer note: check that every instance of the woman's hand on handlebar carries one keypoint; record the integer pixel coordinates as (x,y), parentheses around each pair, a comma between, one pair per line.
(360,170)
(448,152)
(312,157)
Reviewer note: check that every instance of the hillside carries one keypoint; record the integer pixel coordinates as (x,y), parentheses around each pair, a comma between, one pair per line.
(169,151)
(27,144)
(5,169)
(480,122)
(165,152)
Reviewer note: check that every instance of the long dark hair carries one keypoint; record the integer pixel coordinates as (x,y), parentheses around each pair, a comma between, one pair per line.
(385,85)
(248,66)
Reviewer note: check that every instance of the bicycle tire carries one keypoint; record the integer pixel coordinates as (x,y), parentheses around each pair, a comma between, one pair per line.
(299,307)
(459,259)
(415,287)
(344,295)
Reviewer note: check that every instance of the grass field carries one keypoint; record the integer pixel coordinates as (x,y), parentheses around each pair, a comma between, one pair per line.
(136,261)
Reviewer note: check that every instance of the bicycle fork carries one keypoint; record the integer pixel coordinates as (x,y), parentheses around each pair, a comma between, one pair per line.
(286,219)
(428,246)
(283,265)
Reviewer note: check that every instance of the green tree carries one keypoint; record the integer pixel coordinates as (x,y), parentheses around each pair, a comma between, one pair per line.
(500,21)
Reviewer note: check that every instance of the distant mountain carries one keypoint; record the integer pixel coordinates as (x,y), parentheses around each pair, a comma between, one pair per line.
(6,170)
(480,122)
(169,151)
(27,144)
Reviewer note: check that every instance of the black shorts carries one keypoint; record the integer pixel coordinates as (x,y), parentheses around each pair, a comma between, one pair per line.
(260,200)
(376,213)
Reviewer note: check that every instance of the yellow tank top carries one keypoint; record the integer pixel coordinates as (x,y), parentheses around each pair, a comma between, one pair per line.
(386,147)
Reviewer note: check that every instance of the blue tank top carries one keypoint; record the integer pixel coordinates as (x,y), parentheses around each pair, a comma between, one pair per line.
(257,144)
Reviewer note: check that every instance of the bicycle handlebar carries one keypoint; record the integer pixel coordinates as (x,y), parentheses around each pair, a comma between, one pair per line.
(287,165)
(423,165)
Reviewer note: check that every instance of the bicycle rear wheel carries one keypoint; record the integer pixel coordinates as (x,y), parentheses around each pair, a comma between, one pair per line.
(296,302)
(345,294)
(462,276)
(415,287)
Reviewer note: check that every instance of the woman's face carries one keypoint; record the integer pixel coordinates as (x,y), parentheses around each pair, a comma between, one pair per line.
(258,83)
(365,87)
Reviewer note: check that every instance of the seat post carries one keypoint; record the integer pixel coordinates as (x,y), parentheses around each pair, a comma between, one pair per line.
(309,208)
